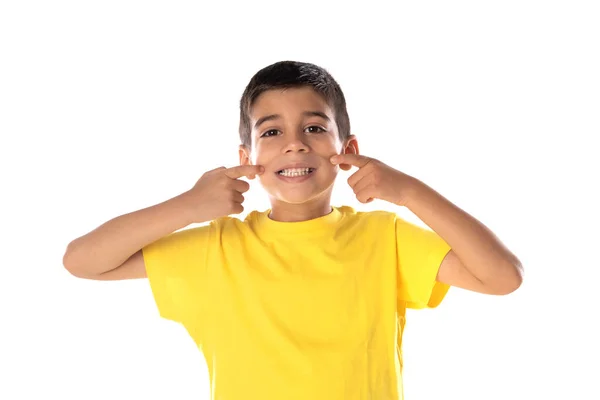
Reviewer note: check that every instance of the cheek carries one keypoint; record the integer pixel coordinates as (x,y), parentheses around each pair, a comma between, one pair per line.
(263,155)
(329,171)
(337,143)
(260,159)
(255,156)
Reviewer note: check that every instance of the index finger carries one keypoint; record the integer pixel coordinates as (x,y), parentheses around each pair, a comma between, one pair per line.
(351,159)
(244,170)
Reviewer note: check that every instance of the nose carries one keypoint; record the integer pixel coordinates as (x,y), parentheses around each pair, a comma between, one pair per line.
(296,143)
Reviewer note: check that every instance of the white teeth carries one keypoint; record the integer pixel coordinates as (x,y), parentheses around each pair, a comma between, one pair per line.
(295,171)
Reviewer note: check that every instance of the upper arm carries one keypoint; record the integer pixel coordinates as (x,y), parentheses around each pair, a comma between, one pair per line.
(453,272)
(133,268)
(420,252)
(176,269)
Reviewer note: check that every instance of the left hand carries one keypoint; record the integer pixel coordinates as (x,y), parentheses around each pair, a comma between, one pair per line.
(375,180)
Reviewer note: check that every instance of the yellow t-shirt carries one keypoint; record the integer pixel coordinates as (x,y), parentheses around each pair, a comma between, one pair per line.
(298,310)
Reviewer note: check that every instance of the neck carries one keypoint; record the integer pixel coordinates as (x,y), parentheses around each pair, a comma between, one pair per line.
(287,212)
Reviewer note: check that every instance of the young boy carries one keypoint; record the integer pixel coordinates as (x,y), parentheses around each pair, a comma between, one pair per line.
(304,300)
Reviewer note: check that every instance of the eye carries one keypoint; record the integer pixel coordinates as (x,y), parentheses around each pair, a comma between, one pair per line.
(270,132)
(315,129)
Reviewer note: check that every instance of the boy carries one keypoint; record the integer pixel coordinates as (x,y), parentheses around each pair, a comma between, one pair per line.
(304,300)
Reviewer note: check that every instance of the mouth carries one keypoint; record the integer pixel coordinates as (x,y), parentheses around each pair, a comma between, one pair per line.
(295,172)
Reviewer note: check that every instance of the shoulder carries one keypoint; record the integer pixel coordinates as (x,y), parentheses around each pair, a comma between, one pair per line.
(373,220)
(373,215)
(237,223)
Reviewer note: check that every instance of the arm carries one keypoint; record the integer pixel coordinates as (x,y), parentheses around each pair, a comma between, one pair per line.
(114,249)
(478,260)
(118,242)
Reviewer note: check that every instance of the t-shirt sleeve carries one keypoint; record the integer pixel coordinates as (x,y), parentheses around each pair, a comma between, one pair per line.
(176,269)
(420,253)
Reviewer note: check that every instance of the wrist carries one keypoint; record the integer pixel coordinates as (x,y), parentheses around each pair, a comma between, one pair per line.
(184,206)
(414,192)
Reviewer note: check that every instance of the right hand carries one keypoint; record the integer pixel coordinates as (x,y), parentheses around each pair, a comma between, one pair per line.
(219,192)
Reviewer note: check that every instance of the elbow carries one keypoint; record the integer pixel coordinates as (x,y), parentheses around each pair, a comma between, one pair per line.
(66,260)
(70,262)
(511,280)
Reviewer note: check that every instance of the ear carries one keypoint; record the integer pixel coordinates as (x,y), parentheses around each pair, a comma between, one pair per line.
(350,147)
(244,153)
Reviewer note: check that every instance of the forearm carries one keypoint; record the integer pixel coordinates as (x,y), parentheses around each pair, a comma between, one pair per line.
(112,243)
(477,247)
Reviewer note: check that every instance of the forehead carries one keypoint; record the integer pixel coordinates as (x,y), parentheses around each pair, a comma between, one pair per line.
(289,101)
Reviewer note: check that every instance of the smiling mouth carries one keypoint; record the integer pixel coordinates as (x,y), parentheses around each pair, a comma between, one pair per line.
(293,172)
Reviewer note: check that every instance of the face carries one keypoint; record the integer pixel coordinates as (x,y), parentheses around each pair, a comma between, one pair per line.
(294,134)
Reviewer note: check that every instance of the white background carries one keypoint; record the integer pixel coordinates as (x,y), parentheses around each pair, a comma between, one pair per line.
(109,107)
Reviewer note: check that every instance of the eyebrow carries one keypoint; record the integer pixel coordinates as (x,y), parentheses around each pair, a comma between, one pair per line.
(272,117)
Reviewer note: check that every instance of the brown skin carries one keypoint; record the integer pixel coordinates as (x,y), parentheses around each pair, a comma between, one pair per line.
(478,260)
(295,137)
(112,251)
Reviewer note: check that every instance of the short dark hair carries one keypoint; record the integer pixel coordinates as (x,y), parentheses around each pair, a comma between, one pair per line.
(291,74)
